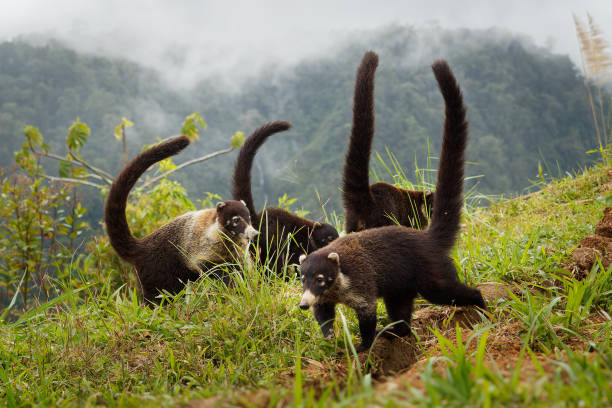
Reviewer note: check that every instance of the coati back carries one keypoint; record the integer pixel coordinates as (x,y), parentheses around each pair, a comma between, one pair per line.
(395,262)
(278,227)
(186,246)
(379,204)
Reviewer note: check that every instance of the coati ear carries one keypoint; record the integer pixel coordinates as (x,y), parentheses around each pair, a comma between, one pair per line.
(333,256)
(316,225)
(220,205)
(242,201)
(302,257)
(429,199)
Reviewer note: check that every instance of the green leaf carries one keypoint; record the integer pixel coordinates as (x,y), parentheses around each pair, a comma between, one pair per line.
(120,128)
(191,126)
(33,135)
(166,165)
(64,168)
(237,140)
(79,172)
(77,135)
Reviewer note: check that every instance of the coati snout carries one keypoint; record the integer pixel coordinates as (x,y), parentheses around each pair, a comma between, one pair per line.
(236,219)
(318,275)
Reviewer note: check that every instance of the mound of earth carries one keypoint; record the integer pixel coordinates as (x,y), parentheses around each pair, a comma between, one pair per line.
(593,247)
(394,356)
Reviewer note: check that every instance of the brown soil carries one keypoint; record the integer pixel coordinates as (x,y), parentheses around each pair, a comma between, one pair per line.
(593,247)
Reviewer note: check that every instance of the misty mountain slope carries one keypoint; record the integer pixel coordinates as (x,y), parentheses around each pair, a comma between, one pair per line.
(524,108)
(525,105)
(51,86)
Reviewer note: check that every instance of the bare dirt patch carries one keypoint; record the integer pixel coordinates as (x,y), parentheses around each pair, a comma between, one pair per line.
(593,247)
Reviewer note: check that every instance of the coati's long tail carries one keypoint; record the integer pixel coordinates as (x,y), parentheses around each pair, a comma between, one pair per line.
(356,194)
(448,198)
(117,227)
(241,183)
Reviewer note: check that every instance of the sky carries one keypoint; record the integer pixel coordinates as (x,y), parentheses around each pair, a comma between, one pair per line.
(187,39)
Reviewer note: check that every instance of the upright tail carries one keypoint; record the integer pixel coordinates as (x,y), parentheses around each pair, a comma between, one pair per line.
(448,198)
(356,183)
(241,183)
(117,227)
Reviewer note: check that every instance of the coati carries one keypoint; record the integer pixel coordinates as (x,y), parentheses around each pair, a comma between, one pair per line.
(395,262)
(277,227)
(365,205)
(183,248)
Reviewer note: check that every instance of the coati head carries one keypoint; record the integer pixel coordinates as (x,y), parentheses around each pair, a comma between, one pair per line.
(321,235)
(422,202)
(233,216)
(318,273)
(427,203)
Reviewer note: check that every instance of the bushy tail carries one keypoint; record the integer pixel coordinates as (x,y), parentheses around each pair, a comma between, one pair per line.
(356,183)
(117,227)
(241,183)
(448,198)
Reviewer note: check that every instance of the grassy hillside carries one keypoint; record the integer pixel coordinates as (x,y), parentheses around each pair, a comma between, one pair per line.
(545,342)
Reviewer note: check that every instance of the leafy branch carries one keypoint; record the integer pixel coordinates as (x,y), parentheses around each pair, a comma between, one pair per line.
(75,169)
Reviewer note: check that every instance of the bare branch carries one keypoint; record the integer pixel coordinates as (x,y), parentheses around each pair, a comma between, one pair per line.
(72,180)
(106,177)
(188,163)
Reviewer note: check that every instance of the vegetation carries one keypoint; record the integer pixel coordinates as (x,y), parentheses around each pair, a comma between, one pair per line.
(73,330)
(42,219)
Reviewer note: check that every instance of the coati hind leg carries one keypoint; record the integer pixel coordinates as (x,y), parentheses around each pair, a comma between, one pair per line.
(450,291)
(399,309)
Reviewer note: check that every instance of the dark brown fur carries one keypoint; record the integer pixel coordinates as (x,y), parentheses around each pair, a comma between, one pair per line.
(379,204)
(394,262)
(284,236)
(180,250)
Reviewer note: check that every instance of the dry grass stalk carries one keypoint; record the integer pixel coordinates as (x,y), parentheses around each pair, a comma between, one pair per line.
(596,63)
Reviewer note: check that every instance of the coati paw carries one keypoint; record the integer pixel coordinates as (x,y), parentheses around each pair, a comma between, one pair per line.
(387,334)
(361,348)
(329,335)
(390,334)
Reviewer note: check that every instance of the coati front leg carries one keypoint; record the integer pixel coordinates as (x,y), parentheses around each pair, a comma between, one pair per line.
(325,313)
(366,315)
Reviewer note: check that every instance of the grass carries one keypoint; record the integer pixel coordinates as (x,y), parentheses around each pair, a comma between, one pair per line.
(547,343)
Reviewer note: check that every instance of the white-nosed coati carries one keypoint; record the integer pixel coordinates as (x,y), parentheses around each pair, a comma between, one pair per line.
(182,249)
(277,227)
(395,262)
(365,205)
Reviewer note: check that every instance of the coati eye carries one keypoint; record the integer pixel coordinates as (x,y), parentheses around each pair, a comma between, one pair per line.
(321,280)
(235,220)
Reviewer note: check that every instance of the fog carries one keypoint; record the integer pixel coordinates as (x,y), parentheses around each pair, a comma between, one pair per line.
(187,40)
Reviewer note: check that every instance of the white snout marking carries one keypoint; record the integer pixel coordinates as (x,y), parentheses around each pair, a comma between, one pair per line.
(308,298)
(251,232)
